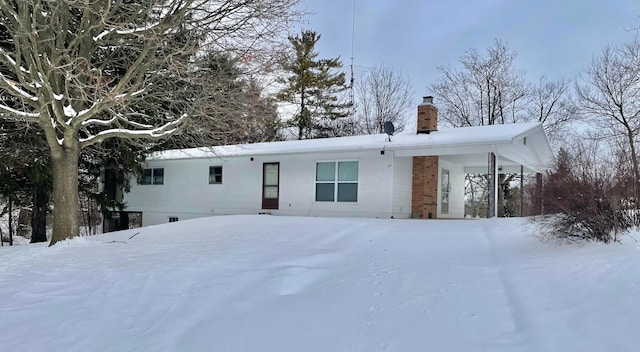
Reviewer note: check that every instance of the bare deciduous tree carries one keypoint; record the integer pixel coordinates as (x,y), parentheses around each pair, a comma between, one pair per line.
(86,71)
(488,90)
(552,106)
(382,95)
(609,94)
(476,194)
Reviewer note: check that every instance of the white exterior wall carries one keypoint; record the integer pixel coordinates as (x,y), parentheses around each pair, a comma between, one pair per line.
(186,192)
(402,184)
(456,193)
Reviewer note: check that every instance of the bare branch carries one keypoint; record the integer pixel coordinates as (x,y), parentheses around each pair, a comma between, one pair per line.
(383,95)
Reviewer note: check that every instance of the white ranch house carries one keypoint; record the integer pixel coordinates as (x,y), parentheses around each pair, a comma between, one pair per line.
(418,174)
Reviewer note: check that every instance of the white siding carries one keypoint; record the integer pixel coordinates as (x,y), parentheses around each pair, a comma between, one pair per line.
(456,193)
(186,192)
(402,187)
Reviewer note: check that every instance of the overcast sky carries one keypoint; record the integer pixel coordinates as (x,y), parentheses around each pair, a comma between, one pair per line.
(553,37)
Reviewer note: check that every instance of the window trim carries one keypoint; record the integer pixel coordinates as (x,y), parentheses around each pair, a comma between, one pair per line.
(211,168)
(336,182)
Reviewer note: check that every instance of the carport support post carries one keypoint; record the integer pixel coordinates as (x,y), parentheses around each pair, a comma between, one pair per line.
(495,184)
(492,203)
(521,191)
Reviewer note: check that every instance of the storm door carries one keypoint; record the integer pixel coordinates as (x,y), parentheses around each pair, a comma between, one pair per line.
(270,185)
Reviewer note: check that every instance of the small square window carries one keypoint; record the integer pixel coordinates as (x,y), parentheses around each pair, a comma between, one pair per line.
(215,175)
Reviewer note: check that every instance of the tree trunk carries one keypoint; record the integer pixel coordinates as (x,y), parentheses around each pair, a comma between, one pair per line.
(66,218)
(10,220)
(537,196)
(634,161)
(39,213)
(303,117)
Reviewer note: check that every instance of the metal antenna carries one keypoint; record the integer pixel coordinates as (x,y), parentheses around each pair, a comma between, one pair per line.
(353,36)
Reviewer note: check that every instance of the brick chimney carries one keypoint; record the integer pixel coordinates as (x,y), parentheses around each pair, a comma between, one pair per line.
(424,184)
(427,116)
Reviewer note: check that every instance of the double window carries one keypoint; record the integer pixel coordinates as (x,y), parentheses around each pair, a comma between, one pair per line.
(215,175)
(152,176)
(337,181)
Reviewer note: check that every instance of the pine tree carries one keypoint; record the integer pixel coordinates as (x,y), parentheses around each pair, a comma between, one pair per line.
(559,184)
(314,86)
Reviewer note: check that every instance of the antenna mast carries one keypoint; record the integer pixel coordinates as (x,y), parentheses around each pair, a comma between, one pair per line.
(353,36)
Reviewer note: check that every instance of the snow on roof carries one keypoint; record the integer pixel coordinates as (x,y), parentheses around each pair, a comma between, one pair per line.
(461,136)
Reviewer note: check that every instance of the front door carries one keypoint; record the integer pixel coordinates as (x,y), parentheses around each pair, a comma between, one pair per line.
(270,185)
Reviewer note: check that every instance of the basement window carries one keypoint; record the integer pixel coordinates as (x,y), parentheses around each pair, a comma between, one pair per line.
(337,181)
(152,176)
(173,218)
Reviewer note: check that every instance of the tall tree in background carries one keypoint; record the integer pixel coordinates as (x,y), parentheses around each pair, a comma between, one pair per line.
(241,113)
(25,171)
(488,90)
(313,86)
(609,94)
(551,104)
(383,95)
(89,71)
(262,123)
(14,170)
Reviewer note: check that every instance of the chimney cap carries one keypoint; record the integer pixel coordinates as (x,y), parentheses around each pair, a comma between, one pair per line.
(427,100)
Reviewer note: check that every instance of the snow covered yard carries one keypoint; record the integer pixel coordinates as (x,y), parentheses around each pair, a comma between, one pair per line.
(267,283)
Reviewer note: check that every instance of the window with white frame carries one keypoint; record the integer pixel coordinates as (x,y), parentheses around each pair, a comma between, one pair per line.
(337,181)
(152,176)
(215,175)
